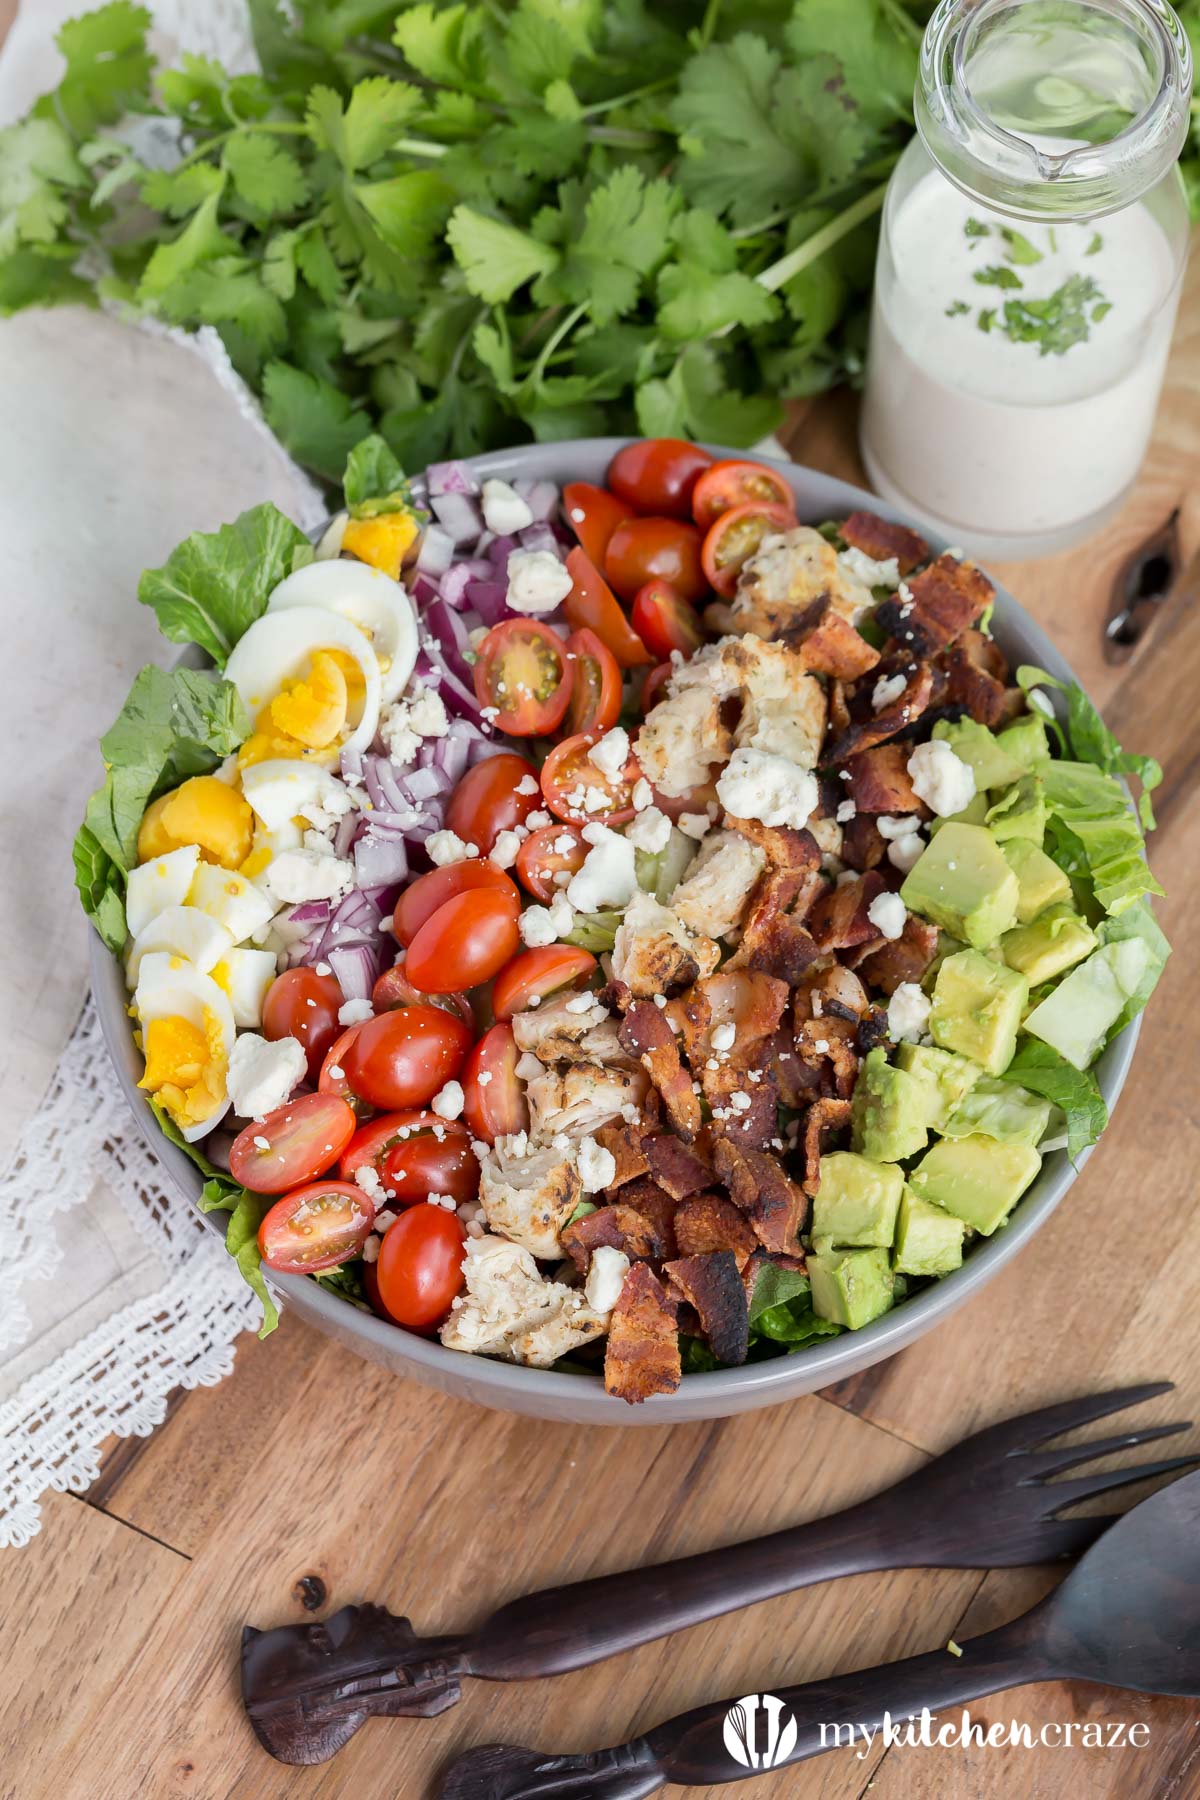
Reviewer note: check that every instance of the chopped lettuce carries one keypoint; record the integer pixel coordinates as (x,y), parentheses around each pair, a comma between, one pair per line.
(1078,1016)
(374,482)
(774,1287)
(1076,1092)
(1091,740)
(1094,835)
(593,931)
(215,584)
(660,872)
(1002,1110)
(246,1212)
(1137,924)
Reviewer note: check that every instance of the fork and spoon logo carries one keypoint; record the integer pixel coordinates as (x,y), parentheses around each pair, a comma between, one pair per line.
(759,1731)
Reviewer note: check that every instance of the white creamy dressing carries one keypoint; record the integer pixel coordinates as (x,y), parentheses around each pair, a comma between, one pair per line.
(986,434)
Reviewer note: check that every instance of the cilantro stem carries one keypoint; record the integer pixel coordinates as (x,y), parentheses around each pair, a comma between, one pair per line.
(564,327)
(637,93)
(708,23)
(291,127)
(633,140)
(777,273)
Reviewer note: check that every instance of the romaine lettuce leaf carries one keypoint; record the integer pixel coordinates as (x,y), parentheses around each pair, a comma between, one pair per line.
(1075,1091)
(1001,1110)
(774,1287)
(246,1212)
(374,481)
(1091,740)
(1095,835)
(1138,922)
(215,584)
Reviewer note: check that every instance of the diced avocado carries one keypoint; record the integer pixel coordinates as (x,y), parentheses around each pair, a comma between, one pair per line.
(1025,740)
(857,1200)
(947,945)
(1040,881)
(962,882)
(975,1178)
(977,1007)
(851,1287)
(1001,1110)
(1077,1016)
(1053,943)
(976,745)
(944,1079)
(888,1113)
(1020,811)
(928,1239)
(973,813)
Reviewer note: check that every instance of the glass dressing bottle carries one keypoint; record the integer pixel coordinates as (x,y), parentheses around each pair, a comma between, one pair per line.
(1032,250)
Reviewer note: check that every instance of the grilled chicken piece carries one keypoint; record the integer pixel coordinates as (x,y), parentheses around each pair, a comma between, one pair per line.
(510,1310)
(578,1098)
(654,951)
(829,644)
(572,1323)
(783,706)
(553,1033)
(714,894)
(681,738)
(785,575)
(529,1198)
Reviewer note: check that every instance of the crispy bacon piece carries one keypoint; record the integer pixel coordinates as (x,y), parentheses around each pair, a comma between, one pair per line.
(621,1227)
(753,1003)
(863,844)
(880,539)
(796,1081)
(943,600)
(646,1034)
(824,1117)
(676,1168)
(627,1145)
(827,1044)
(839,711)
(829,643)
(774,939)
(642,1357)
(711,1222)
(905,958)
(874,727)
(655,1204)
(713,1285)
(872,1031)
(976,677)
(880,781)
(794,852)
(835,992)
(839,919)
(756,1125)
(772,1202)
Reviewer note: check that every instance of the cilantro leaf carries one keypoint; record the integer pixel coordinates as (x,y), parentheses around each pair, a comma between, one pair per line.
(37,162)
(363,129)
(199,241)
(496,259)
(445,45)
(265,174)
(407,209)
(1017,246)
(879,62)
(216,583)
(997,275)
(229,291)
(108,66)
(623,234)
(696,304)
(316,423)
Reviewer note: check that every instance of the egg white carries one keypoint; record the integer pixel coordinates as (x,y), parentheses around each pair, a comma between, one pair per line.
(279,648)
(169,987)
(379,606)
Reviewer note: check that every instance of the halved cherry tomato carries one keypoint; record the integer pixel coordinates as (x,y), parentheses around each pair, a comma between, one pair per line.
(729,484)
(334,1079)
(487,802)
(593,515)
(590,606)
(695,800)
(664,622)
(420,901)
(295,1143)
(416,1154)
(569,771)
(657,475)
(736,536)
(395,989)
(538,972)
(595,703)
(654,688)
(419,1267)
(542,857)
(303,1005)
(466,942)
(523,672)
(402,1059)
(315,1227)
(495,1104)
(641,550)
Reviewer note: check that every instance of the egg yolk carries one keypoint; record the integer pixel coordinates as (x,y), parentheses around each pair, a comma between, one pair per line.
(312,710)
(185,1067)
(205,812)
(383,542)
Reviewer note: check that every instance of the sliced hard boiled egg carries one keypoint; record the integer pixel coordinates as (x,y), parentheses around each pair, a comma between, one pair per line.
(187,1036)
(180,931)
(237,904)
(369,599)
(267,845)
(153,886)
(279,788)
(245,975)
(285,657)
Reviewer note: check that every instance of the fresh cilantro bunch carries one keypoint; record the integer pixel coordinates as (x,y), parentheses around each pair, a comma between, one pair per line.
(464,224)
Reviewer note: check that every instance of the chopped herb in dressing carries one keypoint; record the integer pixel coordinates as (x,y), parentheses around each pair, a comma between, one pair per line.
(998,275)
(1057,322)
(975,228)
(1018,248)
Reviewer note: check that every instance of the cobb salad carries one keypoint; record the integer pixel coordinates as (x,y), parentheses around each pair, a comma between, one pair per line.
(626,928)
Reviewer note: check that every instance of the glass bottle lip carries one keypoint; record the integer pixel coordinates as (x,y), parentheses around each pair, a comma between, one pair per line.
(1012,173)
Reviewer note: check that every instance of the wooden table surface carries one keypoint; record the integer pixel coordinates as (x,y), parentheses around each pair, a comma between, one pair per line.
(310,1475)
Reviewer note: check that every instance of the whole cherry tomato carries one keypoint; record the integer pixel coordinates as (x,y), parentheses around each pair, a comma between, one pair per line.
(577,790)
(523,672)
(664,622)
(735,537)
(431,890)
(590,606)
(466,942)
(595,703)
(495,1104)
(295,1143)
(419,1267)
(551,851)
(657,475)
(393,989)
(654,688)
(415,1154)
(489,800)
(536,973)
(729,484)
(643,550)
(402,1059)
(315,1227)
(304,1005)
(593,515)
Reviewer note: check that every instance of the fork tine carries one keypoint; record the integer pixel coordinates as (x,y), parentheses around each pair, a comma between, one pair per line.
(1039,1463)
(1014,1435)
(1083,1487)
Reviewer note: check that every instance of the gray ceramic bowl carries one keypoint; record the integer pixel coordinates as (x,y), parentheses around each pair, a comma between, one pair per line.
(581,1398)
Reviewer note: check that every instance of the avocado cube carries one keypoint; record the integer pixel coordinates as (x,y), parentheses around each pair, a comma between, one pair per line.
(1020,811)
(851,1287)
(976,1178)
(944,1079)
(1052,944)
(929,1240)
(973,813)
(962,882)
(1040,881)
(857,1200)
(887,1113)
(976,745)
(977,1007)
(1002,1110)
(1025,740)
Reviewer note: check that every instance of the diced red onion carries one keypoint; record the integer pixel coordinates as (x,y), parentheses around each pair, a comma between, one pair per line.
(450,478)
(458,515)
(437,551)
(490,600)
(380,858)
(540,536)
(356,966)
(455,581)
(541,497)
(309,912)
(348,828)
(424,590)
(424,784)
(499,551)
(453,639)
(459,698)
